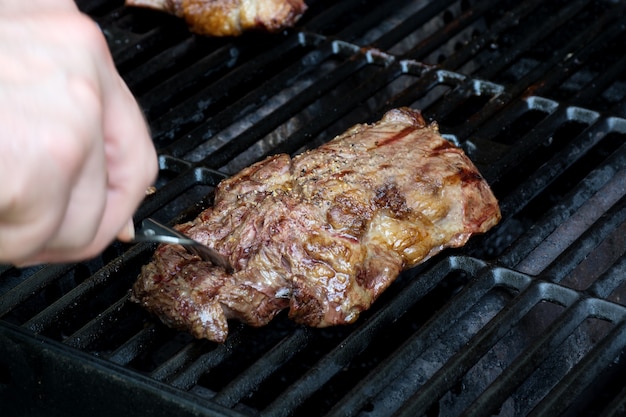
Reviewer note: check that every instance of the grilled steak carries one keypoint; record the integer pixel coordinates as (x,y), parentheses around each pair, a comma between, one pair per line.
(324,233)
(230,17)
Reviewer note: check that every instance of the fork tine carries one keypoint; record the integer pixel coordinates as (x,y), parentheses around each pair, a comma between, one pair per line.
(153,231)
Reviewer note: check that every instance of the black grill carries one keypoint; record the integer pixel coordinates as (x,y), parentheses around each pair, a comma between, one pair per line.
(527,320)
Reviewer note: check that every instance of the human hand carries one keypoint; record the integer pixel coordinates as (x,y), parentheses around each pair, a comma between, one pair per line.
(75,153)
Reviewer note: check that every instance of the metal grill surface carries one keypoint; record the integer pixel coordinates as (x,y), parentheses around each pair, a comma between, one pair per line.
(527,320)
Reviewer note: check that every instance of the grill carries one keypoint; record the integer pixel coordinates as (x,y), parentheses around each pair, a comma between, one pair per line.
(527,320)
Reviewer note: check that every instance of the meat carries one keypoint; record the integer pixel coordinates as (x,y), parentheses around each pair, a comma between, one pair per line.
(230,17)
(322,234)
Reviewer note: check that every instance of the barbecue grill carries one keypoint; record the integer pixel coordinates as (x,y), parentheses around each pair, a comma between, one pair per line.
(526,320)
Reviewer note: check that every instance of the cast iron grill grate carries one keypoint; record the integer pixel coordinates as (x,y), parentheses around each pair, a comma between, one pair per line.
(526,320)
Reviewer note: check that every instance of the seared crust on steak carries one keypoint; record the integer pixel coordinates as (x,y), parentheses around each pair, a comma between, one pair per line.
(230,17)
(324,233)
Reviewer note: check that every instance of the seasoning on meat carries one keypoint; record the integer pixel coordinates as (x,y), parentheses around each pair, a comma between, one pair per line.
(230,17)
(322,234)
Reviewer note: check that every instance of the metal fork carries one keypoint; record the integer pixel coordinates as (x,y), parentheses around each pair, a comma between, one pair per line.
(153,231)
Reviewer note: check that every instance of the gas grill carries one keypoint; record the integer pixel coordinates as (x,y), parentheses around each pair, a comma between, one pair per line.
(526,320)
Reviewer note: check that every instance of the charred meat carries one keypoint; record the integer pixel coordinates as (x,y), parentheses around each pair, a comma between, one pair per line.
(324,233)
(230,17)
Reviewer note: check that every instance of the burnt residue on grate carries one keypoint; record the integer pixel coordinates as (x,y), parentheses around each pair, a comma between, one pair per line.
(526,320)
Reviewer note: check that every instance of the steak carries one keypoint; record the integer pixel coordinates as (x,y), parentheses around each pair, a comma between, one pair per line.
(230,17)
(322,234)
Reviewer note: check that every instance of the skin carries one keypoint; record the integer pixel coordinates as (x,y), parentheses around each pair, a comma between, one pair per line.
(76,156)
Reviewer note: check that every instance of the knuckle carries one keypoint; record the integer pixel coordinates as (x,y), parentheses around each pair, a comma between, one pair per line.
(84,29)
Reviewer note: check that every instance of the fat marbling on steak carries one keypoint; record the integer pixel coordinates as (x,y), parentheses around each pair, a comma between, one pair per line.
(230,17)
(322,234)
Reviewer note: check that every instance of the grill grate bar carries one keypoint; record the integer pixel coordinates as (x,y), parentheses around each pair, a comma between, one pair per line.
(150,43)
(38,281)
(329,15)
(595,181)
(82,293)
(540,31)
(579,249)
(572,229)
(487,337)
(379,11)
(254,375)
(95,328)
(196,106)
(282,113)
(189,178)
(618,108)
(562,160)
(503,171)
(194,368)
(252,100)
(521,369)
(609,280)
(141,341)
(450,109)
(529,143)
(596,86)
(384,374)
(438,39)
(408,24)
(189,353)
(427,79)
(162,62)
(503,130)
(355,343)
(510,19)
(329,114)
(572,386)
(157,100)
(548,75)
